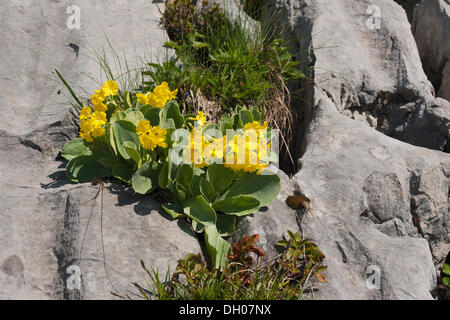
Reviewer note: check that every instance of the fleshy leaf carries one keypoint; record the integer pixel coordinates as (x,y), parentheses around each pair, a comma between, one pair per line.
(124,131)
(174,210)
(219,176)
(216,246)
(264,187)
(85,169)
(239,206)
(122,171)
(75,148)
(199,209)
(145,179)
(226,224)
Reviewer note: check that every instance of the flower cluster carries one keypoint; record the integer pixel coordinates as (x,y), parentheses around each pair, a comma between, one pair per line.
(92,124)
(140,137)
(151,136)
(159,97)
(245,150)
(200,119)
(202,151)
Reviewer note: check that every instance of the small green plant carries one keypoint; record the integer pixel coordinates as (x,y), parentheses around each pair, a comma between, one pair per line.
(283,278)
(228,62)
(208,173)
(446,274)
(297,247)
(180,18)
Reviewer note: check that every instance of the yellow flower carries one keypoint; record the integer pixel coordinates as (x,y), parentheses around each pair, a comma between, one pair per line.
(200,118)
(255,126)
(214,150)
(109,88)
(246,151)
(156,101)
(97,102)
(159,96)
(100,107)
(91,124)
(97,99)
(163,90)
(98,132)
(151,137)
(194,151)
(86,136)
(85,113)
(142,98)
(202,151)
(99,116)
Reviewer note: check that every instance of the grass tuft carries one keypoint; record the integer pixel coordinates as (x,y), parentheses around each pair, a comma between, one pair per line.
(285,277)
(223,62)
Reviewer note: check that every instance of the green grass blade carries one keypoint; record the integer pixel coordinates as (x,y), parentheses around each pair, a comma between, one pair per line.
(69,89)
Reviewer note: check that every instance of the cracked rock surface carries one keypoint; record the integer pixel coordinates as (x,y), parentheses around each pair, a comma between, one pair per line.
(369,146)
(369,150)
(431,28)
(56,242)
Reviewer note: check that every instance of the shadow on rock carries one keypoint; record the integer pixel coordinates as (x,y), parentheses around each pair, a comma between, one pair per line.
(58,178)
(143,204)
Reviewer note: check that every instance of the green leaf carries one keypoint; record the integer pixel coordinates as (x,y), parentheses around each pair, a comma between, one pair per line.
(226,224)
(119,115)
(163,178)
(171,45)
(446,281)
(85,169)
(246,116)
(256,114)
(69,89)
(291,235)
(174,210)
(282,243)
(127,99)
(145,179)
(220,177)
(207,190)
(199,210)
(124,131)
(198,227)
(167,124)
(171,111)
(123,172)
(263,187)
(446,269)
(133,116)
(184,176)
(102,152)
(237,123)
(152,115)
(75,148)
(179,194)
(216,246)
(110,140)
(226,123)
(198,44)
(195,185)
(239,206)
(132,150)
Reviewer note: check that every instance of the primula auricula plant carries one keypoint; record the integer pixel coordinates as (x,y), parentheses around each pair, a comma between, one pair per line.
(210,173)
